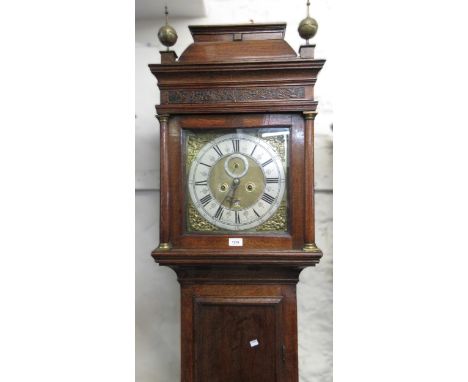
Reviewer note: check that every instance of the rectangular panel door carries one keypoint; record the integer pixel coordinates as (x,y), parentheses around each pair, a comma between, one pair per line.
(237,339)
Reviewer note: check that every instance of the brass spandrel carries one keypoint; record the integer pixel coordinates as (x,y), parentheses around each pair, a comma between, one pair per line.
(195,142)
(278,222)
(278,143)
(197,223)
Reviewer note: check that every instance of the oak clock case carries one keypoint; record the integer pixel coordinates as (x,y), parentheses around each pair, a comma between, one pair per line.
(237,202)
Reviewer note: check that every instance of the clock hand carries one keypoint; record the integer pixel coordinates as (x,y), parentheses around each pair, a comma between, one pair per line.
(234,189)
(235,184)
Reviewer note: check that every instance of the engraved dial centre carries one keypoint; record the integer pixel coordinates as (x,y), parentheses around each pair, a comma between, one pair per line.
(232,189)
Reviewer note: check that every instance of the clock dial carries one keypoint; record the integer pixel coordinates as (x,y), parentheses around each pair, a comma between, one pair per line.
(237,181)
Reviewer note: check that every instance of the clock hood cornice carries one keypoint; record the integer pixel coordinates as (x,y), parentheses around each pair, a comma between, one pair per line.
(236,68)
(296,63)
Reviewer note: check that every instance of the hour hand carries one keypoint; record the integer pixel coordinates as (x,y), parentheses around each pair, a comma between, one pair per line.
(235,184)
(230,194)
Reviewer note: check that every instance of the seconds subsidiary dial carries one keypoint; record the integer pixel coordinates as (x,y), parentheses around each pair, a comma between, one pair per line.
(237,182)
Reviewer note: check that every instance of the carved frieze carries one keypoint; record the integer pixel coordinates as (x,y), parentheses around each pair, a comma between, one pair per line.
(220,95)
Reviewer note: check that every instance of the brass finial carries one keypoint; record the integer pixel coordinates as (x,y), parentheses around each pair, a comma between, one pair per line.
(167,34)
(307,27)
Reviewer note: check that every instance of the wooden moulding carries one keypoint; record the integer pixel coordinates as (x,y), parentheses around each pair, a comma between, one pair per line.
(242,68)
(283,258)
(260,31)
(237,274)
(244,87)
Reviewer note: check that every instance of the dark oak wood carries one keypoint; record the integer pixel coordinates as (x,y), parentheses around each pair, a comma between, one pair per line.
(230,87)
(239,314)
(231,344)
(309,200)
(292,258)
(238,76)
(227,32)
(164,222)
(168,57)
(259,41)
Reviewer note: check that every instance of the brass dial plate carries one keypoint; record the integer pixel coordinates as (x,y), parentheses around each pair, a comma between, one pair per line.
(237,182)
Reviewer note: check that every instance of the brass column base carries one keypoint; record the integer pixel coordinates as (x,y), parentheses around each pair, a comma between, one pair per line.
(310,247)
(164,246)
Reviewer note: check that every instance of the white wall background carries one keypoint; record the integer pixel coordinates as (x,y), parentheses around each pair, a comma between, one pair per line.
(157,290)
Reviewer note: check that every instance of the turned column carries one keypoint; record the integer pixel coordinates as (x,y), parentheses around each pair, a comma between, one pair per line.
(164,230)
(309,202)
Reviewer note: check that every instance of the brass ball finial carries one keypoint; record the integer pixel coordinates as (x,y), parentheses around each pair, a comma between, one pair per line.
(307,27)
(167,34)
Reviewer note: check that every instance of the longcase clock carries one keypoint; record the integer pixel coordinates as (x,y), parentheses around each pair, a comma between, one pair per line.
(237,197)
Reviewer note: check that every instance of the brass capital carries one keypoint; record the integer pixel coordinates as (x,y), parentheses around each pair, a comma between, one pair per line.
(162,118)
(310,115)
(310,247)
(164,246)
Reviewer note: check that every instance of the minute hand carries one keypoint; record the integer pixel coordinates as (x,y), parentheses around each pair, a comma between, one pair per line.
(234,189)
(235,184)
